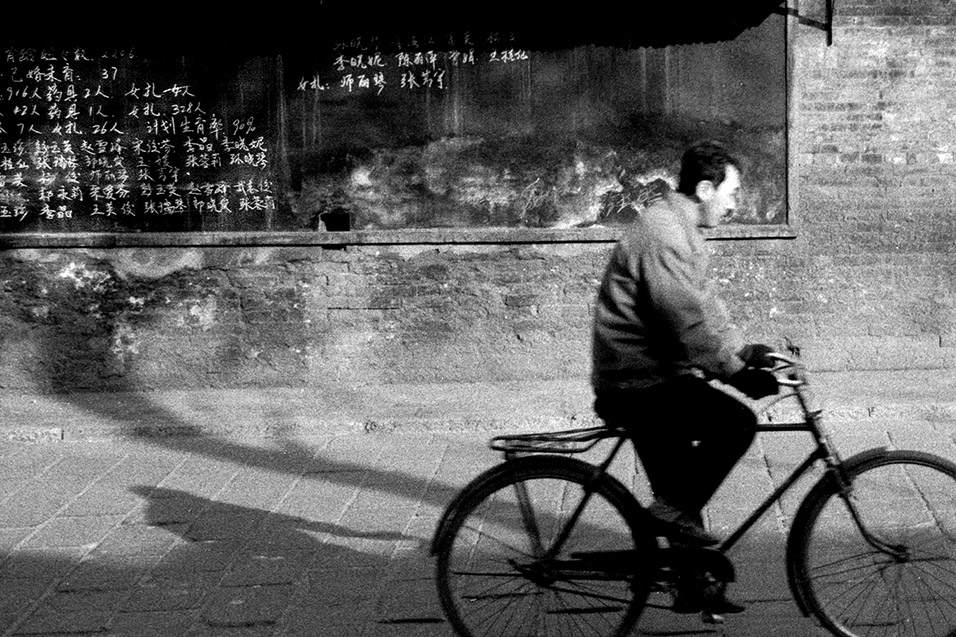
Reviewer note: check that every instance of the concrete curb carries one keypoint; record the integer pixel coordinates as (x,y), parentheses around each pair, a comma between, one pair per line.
(281,412)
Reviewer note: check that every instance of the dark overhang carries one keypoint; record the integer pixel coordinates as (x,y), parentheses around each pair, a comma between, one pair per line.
(277,26)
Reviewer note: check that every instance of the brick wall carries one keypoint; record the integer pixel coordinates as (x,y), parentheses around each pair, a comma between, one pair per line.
(869,283)
(872,153)
(161,318)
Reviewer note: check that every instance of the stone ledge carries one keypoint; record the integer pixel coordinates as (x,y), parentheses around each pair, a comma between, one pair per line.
(925,395)
(407,236)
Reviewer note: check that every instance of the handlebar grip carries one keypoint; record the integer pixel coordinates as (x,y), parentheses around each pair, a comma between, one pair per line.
(783,358)
(790,382)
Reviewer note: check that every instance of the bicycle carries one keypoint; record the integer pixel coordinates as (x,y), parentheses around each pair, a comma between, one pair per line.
(547,544)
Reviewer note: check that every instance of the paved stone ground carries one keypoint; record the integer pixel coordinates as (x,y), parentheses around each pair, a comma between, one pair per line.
(299,533)
(322,536)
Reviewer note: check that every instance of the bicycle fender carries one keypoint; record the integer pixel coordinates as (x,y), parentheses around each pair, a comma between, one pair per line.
(826,483)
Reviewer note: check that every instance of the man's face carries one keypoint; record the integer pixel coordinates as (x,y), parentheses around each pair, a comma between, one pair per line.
(716,202)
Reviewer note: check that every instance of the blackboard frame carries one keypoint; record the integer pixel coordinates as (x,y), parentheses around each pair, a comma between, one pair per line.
(437,236)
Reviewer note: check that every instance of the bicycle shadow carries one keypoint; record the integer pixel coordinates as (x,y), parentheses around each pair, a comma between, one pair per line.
(267,567)
(188,563)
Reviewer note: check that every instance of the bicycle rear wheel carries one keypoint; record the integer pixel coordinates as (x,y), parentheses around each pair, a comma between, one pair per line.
(498,575)
(900,581)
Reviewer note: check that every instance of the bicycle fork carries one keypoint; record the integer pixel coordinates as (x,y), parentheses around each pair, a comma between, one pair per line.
(845,491)
(844,486)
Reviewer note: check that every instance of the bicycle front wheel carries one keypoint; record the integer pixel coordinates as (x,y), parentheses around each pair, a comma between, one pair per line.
(880,558)
(500,573)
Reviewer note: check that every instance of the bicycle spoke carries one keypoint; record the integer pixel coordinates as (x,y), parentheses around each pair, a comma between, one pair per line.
(821,570)
(920,583)
(493,592)
(481,535)
(950,584)
(591,594)
(854,592)
(584,622)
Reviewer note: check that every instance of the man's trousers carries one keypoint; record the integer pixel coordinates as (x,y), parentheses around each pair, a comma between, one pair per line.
(687,434)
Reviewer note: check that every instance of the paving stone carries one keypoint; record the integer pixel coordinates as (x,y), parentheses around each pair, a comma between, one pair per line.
(151,624)
(10,538)
(103,499)
(113,573)
(136,539)
(202,630)
(17,598)
(72,531)
(772,619)
(158,594)
(305,621)
(230,524)
(246,606)
(408,627)
(268,566)
(409,601)
(45,565)
(73,612)
(166,507)
(209,556)
(257,489)
(34,504)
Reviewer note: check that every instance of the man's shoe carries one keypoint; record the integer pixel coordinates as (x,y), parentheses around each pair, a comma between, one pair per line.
(675,524)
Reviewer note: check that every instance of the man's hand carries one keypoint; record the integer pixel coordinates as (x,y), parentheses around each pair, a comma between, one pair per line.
(756,355)
(756,383)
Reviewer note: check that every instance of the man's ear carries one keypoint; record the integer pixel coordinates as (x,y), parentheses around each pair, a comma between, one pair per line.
(704,190)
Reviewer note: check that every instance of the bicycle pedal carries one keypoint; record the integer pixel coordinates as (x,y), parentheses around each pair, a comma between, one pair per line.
(711,618)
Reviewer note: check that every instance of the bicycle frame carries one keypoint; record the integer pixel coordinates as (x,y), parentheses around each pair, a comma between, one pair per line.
(824,451)
(811,423)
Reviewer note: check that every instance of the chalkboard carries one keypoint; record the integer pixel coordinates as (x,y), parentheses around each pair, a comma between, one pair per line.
(376,129)
(111,140)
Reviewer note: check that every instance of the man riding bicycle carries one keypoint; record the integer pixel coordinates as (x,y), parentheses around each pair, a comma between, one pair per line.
(660,334)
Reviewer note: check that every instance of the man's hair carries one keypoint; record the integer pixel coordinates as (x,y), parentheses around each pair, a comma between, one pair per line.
(704,161)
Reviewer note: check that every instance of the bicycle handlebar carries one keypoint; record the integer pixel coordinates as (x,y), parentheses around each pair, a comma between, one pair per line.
(796,371)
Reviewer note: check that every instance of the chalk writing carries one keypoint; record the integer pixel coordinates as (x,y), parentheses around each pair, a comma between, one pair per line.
(361,70)
(93,135)
(508,55)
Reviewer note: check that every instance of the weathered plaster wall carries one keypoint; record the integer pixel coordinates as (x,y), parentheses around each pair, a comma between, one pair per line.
(157,318)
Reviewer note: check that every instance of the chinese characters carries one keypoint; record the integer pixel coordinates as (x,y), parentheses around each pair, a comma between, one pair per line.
(93,134)
(413,64)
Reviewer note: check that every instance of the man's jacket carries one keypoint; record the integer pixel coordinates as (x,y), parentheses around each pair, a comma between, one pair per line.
(657,316)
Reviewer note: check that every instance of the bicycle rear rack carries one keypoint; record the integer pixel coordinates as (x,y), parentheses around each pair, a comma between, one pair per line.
(569,441)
